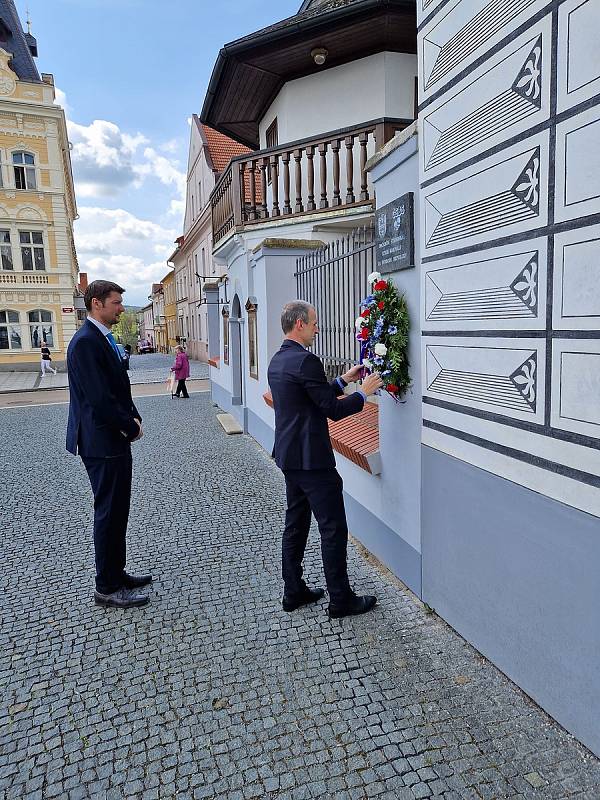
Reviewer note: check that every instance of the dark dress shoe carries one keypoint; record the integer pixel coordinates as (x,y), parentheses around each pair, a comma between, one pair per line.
(359,604)
(304,599)
(136,581)
(122,598)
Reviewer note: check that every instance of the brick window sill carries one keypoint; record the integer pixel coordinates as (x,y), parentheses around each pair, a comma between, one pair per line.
(356,437)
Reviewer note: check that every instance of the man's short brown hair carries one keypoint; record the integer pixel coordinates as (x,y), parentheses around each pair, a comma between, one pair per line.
(100,291)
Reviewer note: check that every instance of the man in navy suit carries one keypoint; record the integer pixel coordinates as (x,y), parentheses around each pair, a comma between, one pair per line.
(103,421)
(303,400)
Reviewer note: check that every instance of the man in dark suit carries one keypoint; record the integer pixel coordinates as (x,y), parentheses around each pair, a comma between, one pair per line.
(103,421)
(303,400)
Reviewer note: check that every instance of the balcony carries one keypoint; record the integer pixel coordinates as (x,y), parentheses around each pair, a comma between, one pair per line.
(319,175)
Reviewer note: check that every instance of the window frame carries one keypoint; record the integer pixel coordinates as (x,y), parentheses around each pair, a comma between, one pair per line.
(34,247)
(225,315)
(26,171)
(31,324)
(271,140)
(252,327)
(4,246)
(11,325)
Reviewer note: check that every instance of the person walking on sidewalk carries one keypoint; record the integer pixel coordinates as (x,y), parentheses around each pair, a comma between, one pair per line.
(103,421)
(46,362)
(181,368)
(303,400)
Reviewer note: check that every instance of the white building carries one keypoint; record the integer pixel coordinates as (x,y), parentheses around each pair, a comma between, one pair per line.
(209,155)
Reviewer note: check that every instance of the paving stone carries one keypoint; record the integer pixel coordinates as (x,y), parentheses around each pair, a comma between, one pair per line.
(212,691)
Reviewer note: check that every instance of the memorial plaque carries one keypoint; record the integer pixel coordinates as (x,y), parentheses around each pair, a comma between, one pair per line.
(395,235)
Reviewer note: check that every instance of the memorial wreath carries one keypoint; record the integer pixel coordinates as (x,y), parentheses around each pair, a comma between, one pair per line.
(382,331)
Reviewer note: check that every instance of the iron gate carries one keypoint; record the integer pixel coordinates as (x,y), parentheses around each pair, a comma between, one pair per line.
(333,279)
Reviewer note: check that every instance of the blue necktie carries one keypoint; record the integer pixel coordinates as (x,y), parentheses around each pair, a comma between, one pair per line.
(111,339)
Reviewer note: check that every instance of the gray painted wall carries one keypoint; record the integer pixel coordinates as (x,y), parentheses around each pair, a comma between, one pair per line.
(516,573)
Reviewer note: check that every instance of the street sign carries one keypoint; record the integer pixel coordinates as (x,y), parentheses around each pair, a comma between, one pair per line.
(67,309)
(395,235)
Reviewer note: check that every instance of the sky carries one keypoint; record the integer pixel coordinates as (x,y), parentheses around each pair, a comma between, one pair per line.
(130,73)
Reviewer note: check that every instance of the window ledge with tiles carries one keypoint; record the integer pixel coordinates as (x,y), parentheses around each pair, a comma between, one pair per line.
(356,437)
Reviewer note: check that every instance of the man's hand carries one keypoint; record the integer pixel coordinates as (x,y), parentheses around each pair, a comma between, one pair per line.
(141,432)
(353,374)
(371,384)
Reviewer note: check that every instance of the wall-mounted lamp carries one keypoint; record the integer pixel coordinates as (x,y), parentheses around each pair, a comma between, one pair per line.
(319,55)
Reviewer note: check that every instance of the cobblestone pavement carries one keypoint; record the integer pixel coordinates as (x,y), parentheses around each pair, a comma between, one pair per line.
(155,367)
(212,691)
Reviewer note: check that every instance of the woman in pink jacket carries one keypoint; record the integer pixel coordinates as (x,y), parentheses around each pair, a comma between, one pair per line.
(181,368)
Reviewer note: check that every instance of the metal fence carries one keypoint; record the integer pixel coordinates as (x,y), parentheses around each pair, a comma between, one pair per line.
(334,280)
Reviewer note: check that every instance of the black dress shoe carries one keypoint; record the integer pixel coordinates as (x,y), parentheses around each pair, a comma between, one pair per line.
(122,598)
(359,604)
(136,581)
(304,599)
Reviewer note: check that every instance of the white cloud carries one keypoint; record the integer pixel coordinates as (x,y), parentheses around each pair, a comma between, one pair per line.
(103,157)
(106,160)
(116,245)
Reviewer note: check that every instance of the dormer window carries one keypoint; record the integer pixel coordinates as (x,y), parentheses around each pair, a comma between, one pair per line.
(24,167)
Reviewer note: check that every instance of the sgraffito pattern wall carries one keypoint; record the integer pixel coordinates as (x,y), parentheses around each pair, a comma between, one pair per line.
(510,239)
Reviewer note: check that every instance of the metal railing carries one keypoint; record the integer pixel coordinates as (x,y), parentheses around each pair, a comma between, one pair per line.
(315,175)
(334,280)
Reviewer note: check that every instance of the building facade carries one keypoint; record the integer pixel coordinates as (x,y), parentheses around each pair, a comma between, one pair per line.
(510,179)
(170,311)
(38,269)
(482,491)
(209,155)
(158,317)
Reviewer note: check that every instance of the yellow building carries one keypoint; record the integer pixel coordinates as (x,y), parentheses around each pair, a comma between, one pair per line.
(38,263)
(168,283)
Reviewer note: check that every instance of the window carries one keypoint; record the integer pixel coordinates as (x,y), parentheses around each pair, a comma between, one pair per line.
(251,307)
(40,328)
(10,331)
(272,140)
(225,313)
(32,250)
(200,203)
(193,210)
(24,167)
(199,326)
(6,250)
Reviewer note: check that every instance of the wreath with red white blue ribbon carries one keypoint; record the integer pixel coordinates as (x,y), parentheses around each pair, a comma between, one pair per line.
(382,330)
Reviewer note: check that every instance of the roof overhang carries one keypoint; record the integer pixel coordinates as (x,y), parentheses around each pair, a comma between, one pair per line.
(250,72)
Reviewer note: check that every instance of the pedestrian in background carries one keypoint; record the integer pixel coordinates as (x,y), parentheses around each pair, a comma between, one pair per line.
(46,362)
(303,400)
(103,421)
(181,369)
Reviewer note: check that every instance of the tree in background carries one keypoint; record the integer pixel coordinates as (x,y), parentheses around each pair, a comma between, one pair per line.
(126,329)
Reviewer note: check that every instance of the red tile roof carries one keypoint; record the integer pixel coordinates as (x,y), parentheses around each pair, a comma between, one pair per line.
(355,437)
(221,148)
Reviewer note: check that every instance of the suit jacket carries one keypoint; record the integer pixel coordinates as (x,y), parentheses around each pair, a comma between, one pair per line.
(100,397)
(303,400)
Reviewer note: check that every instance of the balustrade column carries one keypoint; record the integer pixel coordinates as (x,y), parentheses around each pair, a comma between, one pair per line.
(310,153)
(274,167)
(252,215)
(335,147)
(298,159)
(350,197)
(264,211)
(364,186)
(287,208)
(323,153)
